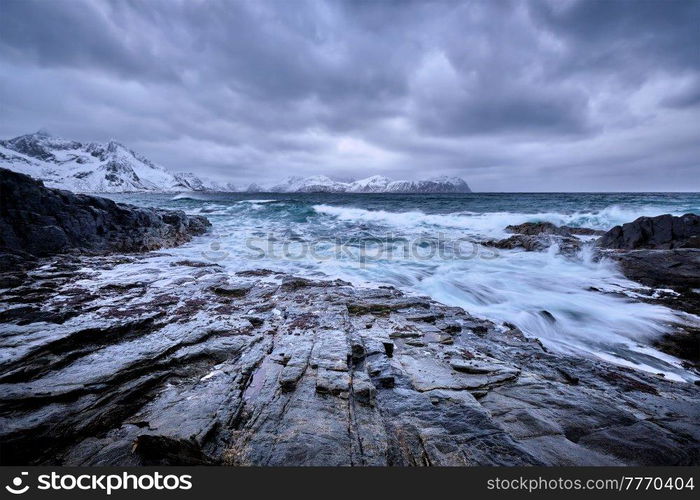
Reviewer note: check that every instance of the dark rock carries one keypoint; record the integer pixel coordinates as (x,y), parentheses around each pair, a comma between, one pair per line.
(538,228)
(535,228)
(312,383)
(583,231)
(572,379)
(539,236)
(529,243)
(675,269)
(255,273)
(231,290)
(163,450)
(193,263)
(548,316)
(683,344)
(537,243)
(661,232)
(42,221)
(663,253)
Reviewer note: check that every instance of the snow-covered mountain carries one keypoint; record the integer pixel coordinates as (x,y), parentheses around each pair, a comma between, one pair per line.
(442,184)
(313,184)
(94,167)
(374,184)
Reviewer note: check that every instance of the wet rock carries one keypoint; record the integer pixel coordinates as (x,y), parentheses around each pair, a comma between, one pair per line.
(683,343)
(539,236)
(295,282)
(662,253)
(571,379)
(193,263)
(538,228)
(227,290)
(675,269)
(255,273)
(473,367)
(537,243)
(333,382)
(41,221)
(163,450)
(314,382)
(663,232)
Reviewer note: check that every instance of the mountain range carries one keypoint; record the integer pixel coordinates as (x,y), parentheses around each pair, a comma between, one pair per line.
(373,184)
(94,167)
(111,167)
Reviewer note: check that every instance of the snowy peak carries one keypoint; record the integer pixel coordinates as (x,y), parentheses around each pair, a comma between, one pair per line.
(93,167)
(374,184)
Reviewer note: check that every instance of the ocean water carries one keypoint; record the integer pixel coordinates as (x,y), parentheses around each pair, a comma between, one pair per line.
(430,245)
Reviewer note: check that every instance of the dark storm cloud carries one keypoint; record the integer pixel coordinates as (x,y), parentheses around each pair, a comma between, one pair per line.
(639,33)
(510,95)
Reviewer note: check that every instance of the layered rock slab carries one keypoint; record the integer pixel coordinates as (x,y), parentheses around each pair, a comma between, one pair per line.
(134,363)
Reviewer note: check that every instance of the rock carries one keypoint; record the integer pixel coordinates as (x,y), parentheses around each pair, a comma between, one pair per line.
(683,344)
(674,278)
(227,290)
(256,273)
(572,379)
(583,231)
(539,236)
(325,377)
(538,243)
(193,263)
(662,232)
(538,228)
(675,269)
(163,450)
(473,367)
(40,221)
(663,253)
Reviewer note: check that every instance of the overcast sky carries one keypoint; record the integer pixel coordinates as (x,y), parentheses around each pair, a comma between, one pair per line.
(511,96)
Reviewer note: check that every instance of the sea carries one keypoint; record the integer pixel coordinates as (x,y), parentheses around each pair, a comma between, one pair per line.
(431,245)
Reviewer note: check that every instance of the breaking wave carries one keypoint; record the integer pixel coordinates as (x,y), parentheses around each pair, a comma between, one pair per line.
(492,222)
(571,303)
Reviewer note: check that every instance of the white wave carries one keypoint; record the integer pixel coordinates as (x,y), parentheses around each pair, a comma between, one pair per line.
(492,223)
(590,307)
(580,316)
(189,196)
(208,209)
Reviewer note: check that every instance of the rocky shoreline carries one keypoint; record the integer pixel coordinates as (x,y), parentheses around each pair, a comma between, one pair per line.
(142,359)
(36,221)
(660,253)
(189,365)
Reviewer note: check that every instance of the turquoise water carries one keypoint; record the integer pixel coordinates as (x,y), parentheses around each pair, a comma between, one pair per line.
(430,245)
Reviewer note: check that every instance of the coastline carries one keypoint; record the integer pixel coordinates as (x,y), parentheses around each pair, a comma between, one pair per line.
(113,358)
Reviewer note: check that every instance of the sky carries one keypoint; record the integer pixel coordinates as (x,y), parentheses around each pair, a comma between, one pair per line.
(540,95)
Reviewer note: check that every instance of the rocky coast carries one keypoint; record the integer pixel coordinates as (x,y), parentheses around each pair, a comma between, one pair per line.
(112,353)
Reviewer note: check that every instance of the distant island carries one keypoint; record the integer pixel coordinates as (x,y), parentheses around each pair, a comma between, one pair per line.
(111,167)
